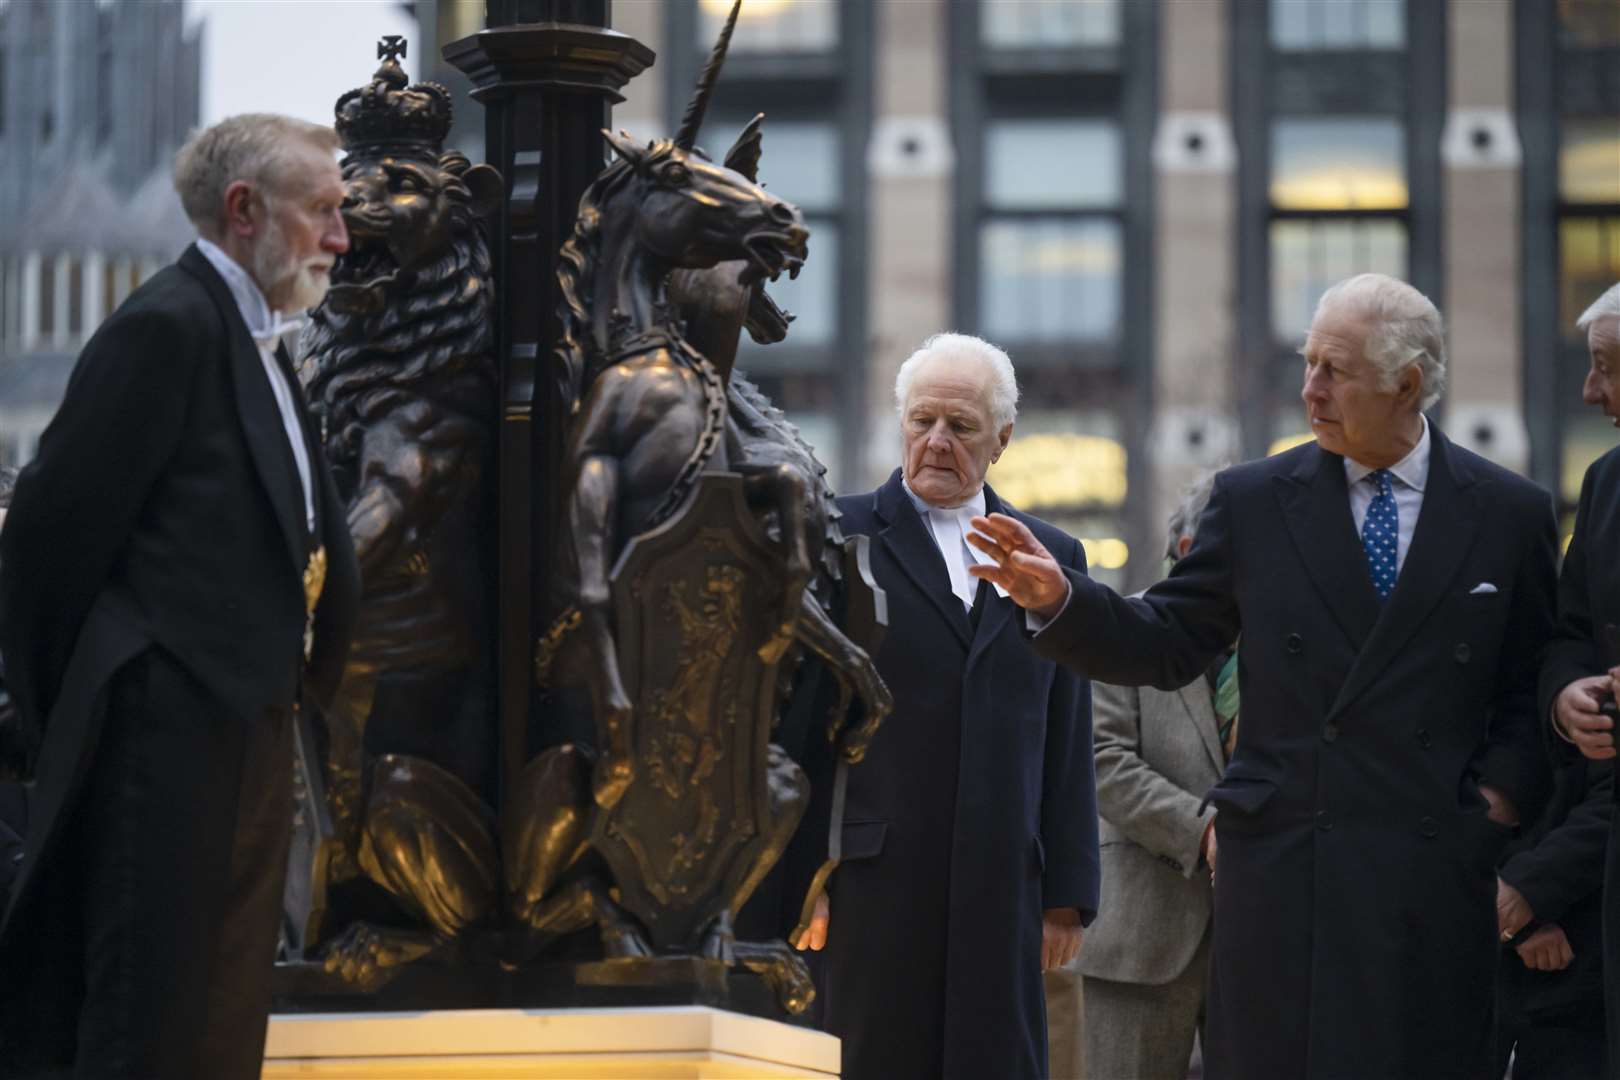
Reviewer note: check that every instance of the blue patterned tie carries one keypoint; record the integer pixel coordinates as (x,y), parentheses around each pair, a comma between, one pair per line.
(1380,533)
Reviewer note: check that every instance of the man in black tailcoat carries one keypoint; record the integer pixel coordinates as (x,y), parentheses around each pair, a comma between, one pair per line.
(176,566)
(1393,592)
(970,832)
(1580,673)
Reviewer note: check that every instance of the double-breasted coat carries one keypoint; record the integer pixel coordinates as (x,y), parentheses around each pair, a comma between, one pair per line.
(1354,893)
(974,811)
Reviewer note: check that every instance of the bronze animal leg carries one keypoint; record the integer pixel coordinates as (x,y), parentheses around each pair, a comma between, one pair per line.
(345,724)
(784,487)
(788,794)
(547,825)
(856,675)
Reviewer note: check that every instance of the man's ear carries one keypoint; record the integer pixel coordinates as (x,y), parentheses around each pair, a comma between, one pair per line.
(1002,439)
(1411,384)
(240,215)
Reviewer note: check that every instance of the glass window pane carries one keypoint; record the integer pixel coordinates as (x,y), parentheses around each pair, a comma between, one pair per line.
(812,298)
(1338,24)
(772,25)
(1589,250)
(1589,24)
(1046,23)
(1309,256)
(1052,163)
(1049,280)
(798,160)
(1343,163)
(1589,159)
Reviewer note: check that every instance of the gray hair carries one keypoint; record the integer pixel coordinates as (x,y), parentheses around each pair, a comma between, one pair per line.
(1606,306)
(8,484)
(1184,519)
(1003,383)
(1405,328)
(254,147)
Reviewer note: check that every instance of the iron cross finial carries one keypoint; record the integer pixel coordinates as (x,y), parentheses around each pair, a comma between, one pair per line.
(391,47)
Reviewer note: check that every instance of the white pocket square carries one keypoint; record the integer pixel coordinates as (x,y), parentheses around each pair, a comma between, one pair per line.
(1482,588)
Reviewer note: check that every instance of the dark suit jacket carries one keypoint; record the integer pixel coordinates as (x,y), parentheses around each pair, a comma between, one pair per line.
(974,810)
(1588,600)
(163,510)
(1559,869)
(1354,898)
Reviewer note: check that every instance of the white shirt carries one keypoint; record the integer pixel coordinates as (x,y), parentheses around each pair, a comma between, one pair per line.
(266,326)
(1407,478)
(950,529)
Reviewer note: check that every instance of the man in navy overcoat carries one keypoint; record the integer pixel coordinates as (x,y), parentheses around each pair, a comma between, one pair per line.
(970,833)
(1393,592)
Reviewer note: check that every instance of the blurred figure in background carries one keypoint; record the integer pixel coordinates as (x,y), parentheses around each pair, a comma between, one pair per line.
(1146,960)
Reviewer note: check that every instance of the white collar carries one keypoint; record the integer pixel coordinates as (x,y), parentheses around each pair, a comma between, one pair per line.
(973,507)
(263,324)
(1412,470)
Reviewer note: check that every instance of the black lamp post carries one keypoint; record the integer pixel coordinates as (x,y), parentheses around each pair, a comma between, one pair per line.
(547,73)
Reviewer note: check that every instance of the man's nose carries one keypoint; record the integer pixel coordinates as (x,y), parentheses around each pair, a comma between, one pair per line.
(939,439)
(336,237)
(1591,393)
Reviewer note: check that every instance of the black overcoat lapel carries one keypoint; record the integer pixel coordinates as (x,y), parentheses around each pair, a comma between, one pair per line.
(997,608)
(256,408)
(911,545)
(1447,527)
(1316,505)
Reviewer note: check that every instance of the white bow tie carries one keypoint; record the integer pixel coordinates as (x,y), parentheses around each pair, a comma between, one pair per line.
(267,337)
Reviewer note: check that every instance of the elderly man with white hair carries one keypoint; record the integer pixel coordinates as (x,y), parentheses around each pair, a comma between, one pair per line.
(1582,668)
(1393,592)
(970,832)
(175,570)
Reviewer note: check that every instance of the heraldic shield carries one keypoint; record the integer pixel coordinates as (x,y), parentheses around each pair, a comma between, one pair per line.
(692,602)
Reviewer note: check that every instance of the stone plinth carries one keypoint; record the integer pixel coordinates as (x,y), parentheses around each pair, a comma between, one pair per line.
(529,1044)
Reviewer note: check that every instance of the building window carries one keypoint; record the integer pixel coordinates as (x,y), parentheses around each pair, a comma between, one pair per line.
(1299,25)
(806,65)
(1016,24)
(75,296)
(1050,237)
(786,26)
(1053,114)
(47,296)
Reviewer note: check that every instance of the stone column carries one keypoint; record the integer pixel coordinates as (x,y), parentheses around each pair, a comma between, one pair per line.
(547,73)
(1480,151)
(1195,256)
(910,160)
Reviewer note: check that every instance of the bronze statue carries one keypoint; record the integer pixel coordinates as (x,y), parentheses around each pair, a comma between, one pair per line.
(701,561)
(698,533)
(398,364)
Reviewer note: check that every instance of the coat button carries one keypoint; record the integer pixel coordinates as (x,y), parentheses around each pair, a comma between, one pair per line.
(1424,740)
(1462,653)
(1330,731)
(1324,820)
(1428,827)
(1295,643)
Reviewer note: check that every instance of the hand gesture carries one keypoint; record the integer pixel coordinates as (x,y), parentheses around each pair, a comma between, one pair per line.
(1513,912)
(1060,937)
(1023,567)
(1546,950)
(1576,712)
(814,937)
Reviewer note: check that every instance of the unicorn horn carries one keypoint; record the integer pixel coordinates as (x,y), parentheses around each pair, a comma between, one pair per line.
(692,119)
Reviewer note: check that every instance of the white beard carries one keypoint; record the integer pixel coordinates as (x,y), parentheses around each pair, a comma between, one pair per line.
(298,285)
